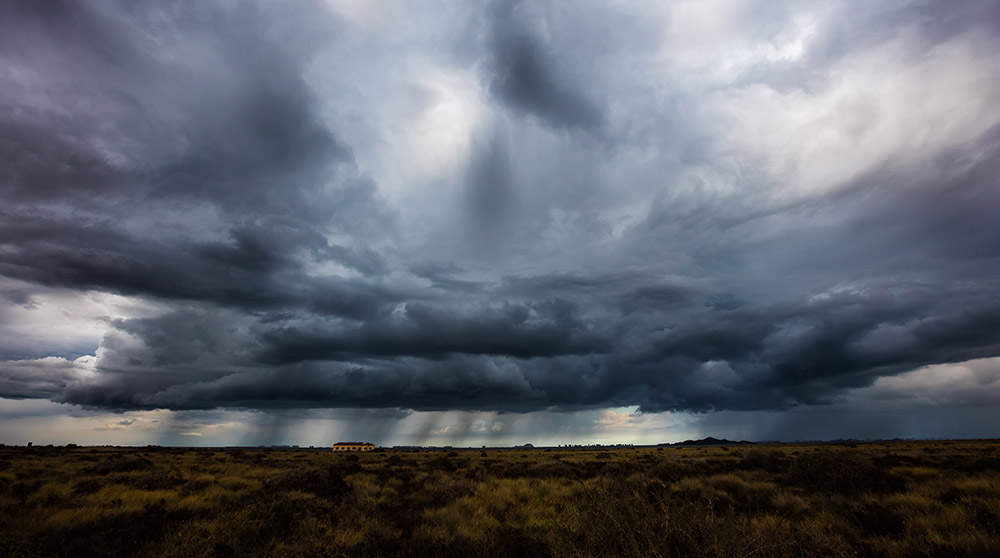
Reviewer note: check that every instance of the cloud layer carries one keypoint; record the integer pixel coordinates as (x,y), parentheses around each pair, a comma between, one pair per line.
(697,206)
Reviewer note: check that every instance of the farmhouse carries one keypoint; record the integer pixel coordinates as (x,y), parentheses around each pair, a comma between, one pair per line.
(353,446)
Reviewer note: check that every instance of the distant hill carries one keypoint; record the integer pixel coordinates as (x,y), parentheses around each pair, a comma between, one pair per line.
(710,441)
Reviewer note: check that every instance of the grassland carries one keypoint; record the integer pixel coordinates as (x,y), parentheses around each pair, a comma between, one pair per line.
(877,499)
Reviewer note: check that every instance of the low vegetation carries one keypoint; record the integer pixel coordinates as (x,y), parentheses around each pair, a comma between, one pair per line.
(877,499)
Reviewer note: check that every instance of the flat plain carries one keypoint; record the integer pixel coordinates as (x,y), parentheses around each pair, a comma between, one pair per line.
(900,498)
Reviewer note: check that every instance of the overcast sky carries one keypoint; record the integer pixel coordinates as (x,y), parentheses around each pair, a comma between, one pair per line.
(499,222)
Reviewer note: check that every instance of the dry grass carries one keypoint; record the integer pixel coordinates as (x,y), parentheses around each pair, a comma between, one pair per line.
(892,499)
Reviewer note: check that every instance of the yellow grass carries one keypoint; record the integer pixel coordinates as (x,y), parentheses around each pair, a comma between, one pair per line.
(894,499)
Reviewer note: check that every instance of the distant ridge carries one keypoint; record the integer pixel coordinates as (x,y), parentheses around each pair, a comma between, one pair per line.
(710,441)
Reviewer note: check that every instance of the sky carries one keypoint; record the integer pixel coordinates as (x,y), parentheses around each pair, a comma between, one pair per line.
(497,223)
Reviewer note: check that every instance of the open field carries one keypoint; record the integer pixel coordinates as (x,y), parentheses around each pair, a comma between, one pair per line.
(877,499)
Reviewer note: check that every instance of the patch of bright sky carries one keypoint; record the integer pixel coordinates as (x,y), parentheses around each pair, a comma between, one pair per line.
(871,108)
(66,323)
(45,422)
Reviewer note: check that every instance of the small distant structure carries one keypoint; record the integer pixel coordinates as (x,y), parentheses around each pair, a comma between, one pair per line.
(353,446)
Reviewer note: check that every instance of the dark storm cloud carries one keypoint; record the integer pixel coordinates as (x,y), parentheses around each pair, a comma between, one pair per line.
(180,155)
(125,119)
(404,383)
(46,377)
(18,296)
(180,338)
(254,269)
(527,78)
(739,359)
(538,329)
(126,139)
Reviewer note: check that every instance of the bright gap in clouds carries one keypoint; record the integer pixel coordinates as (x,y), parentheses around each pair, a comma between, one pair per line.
(47,423)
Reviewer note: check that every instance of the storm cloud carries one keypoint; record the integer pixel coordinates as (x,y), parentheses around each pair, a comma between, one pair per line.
(513,207)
